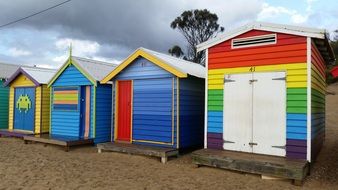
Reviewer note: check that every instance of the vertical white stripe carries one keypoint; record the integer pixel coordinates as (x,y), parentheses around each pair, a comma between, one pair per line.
(112,112)
(206,101)
(308,99)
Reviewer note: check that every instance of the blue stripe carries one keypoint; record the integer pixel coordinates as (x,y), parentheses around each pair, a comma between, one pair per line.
(65,107)
(296,136)
(296,116)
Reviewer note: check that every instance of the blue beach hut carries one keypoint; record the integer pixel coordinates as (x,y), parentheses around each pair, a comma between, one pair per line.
(80,105)
(158,101)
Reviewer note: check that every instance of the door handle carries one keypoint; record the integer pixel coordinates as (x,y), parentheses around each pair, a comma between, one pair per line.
(253,144)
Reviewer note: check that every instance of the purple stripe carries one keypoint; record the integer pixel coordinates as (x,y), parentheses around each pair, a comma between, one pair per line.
(215,141)
(294,155)
(215,135)
(293,142)
(298,149)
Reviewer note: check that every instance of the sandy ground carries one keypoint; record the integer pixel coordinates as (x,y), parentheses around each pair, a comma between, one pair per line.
(35,166)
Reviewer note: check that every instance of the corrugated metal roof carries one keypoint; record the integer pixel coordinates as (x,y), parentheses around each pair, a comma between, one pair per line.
(96,69)
(41,75)
(7,70)
(184,66)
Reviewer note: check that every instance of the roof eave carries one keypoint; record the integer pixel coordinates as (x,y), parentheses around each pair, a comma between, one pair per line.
(17,73)
(152,58)
(295,30)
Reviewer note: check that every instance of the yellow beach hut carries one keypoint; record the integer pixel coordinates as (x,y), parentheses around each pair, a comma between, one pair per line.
(28,101)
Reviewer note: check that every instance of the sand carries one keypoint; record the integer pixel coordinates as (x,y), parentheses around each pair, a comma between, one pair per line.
(35,166)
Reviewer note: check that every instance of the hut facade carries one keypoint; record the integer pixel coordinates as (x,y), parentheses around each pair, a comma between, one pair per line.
(29,100)
(6,70)
(80,105)
(158,101)
(266,90)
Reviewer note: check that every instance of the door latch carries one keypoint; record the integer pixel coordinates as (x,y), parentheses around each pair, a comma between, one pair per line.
(253,144)
(281,147)
(252,81)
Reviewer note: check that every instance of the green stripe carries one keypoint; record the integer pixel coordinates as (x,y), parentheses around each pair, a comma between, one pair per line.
(66,98)
(296,100)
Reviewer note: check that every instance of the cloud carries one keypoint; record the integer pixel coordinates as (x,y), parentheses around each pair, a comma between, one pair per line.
(113,29)
(270,12)
(15,52)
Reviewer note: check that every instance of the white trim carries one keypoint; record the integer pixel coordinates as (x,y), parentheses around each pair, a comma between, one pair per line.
(258,37)
(308,136)
(278,28)
(206,101)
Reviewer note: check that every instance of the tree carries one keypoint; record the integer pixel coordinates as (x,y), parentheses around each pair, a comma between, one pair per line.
(197,26)
(177,52)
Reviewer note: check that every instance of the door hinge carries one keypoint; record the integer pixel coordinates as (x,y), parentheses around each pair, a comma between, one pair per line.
(281,147)
(224,141)
(253,144)
(228,80)
(253,80)
(282,78)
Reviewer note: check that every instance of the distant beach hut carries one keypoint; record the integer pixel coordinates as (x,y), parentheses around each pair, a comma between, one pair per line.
(6,70)
(28,101)
(158,101)
(80,105)
(334,72)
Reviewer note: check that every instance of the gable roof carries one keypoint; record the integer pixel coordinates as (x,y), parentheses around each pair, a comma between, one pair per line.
(178,67)
(6,70)
(319,34)
(36,74)
(93,70)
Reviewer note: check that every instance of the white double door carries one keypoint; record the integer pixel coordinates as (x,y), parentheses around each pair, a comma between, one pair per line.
(254,117)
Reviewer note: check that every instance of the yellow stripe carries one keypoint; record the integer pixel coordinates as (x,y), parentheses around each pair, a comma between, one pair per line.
(147,56)
(37,110)
(296,74)
(11,109)
(116,111)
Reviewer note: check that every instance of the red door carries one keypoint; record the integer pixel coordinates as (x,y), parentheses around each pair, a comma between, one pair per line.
(124,111)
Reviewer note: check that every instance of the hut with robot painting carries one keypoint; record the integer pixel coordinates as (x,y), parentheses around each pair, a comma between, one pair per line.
(28,101)
(265,98)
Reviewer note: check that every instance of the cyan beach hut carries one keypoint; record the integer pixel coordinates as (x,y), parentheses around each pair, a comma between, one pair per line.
(158,101)
(6,70)
(80,105)
(29,101)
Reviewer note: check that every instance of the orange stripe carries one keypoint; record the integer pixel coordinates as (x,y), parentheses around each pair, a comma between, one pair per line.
(65,102)
(86,134)
(66,92)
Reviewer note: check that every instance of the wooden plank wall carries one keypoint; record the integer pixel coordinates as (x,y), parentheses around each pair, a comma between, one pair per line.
(289,55)
(318,90)
(4,98)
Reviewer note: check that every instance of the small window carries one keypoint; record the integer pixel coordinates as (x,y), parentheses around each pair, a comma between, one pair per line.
(254,41)
(65,98)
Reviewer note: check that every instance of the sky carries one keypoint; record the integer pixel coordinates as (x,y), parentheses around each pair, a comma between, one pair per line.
(110,30)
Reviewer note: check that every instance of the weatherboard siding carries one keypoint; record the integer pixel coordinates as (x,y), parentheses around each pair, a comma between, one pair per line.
(67,123)
(141,68)
(191,112)
(318,91)
(154,94)
(37,128)
(289,55)
(103,113)
(45,115)
(71,76)
(4,98)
